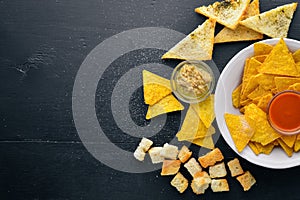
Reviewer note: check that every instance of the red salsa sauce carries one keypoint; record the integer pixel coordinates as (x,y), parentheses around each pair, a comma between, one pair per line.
(284,112)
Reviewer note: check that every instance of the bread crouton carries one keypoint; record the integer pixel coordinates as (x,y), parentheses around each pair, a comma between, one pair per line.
(235,167)
(145,144)
(169,151)
(246,180)
(155,156)
(184,154)
(217,171)
(211,158)
(139,154)
(219,185)
(200,182)
(180,182)
(170,167)
(193,166)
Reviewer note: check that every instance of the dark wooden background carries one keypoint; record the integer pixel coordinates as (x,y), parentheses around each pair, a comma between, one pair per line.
(42,45)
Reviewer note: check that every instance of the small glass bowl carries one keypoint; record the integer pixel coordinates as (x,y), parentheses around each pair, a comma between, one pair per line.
(190,97)
(273,124)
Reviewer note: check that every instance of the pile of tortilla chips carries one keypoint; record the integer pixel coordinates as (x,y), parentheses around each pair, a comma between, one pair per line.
(158,95)
(197,126)
(272,69)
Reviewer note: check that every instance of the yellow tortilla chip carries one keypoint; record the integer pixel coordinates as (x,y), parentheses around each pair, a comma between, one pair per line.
(297,146)
(241,129)
(283,83)
(266,81)
(206,142)
(250,87)
(287,149)
(258,92)
(260,58)
(236,96)
(289,140)
(198,45)
(296,56)
(262,49)
(267,149)
(264,101)
(264,133)
(165,105)
(155,87)
(205,110)
(251,68)
(280,61)
(295,87)
(253,148)
(189,127)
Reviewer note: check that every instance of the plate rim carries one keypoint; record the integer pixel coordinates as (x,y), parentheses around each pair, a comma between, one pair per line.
(220,119)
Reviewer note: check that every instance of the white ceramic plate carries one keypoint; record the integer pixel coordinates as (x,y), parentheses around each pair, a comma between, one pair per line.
(228,81)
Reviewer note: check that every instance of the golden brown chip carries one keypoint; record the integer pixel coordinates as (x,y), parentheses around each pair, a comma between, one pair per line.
(262,49)
(280,56)
(165,105)
(205,110)
(155,87)
(289,140)
(241,129)
(260,58)
(267,149)
(297,146)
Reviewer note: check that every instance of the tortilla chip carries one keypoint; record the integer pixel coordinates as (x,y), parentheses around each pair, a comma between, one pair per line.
(262,49)
(258,92)
(206,142)
(274,23)
(155,87)
(287,150)
(289,140)
(165,105)
(198,45)
(260,58)
(251,85)
(189,126)
(295,87)
(296,56)
(264,101)
(253,148)
(280,61)
(241,129)
(297,146)
(283,83)
(236,96)
(241,33)
(205,110)
(266,81)
(267,149)
(264,133)
(227,13)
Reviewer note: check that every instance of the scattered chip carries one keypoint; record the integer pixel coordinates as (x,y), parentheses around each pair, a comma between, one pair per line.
(227,13)
(205,110)
(241,33)
(274,23)
(198,45)
(155,87)
(280,56)
(165,105)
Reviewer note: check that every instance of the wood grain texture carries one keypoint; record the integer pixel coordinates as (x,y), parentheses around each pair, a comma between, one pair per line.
(42,45)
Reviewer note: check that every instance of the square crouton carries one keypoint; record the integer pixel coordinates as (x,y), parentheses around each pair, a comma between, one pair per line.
(139,154)
(219,185)
(200,182)
(235,167)
(145,144)
(184,154)
(169,151)
(155,156)
(211,158)
(180,182)
(217,171)
(246,180)
(193,166)
(170,167)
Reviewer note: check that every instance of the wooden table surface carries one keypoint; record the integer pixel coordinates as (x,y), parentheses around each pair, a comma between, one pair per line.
(42,46)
